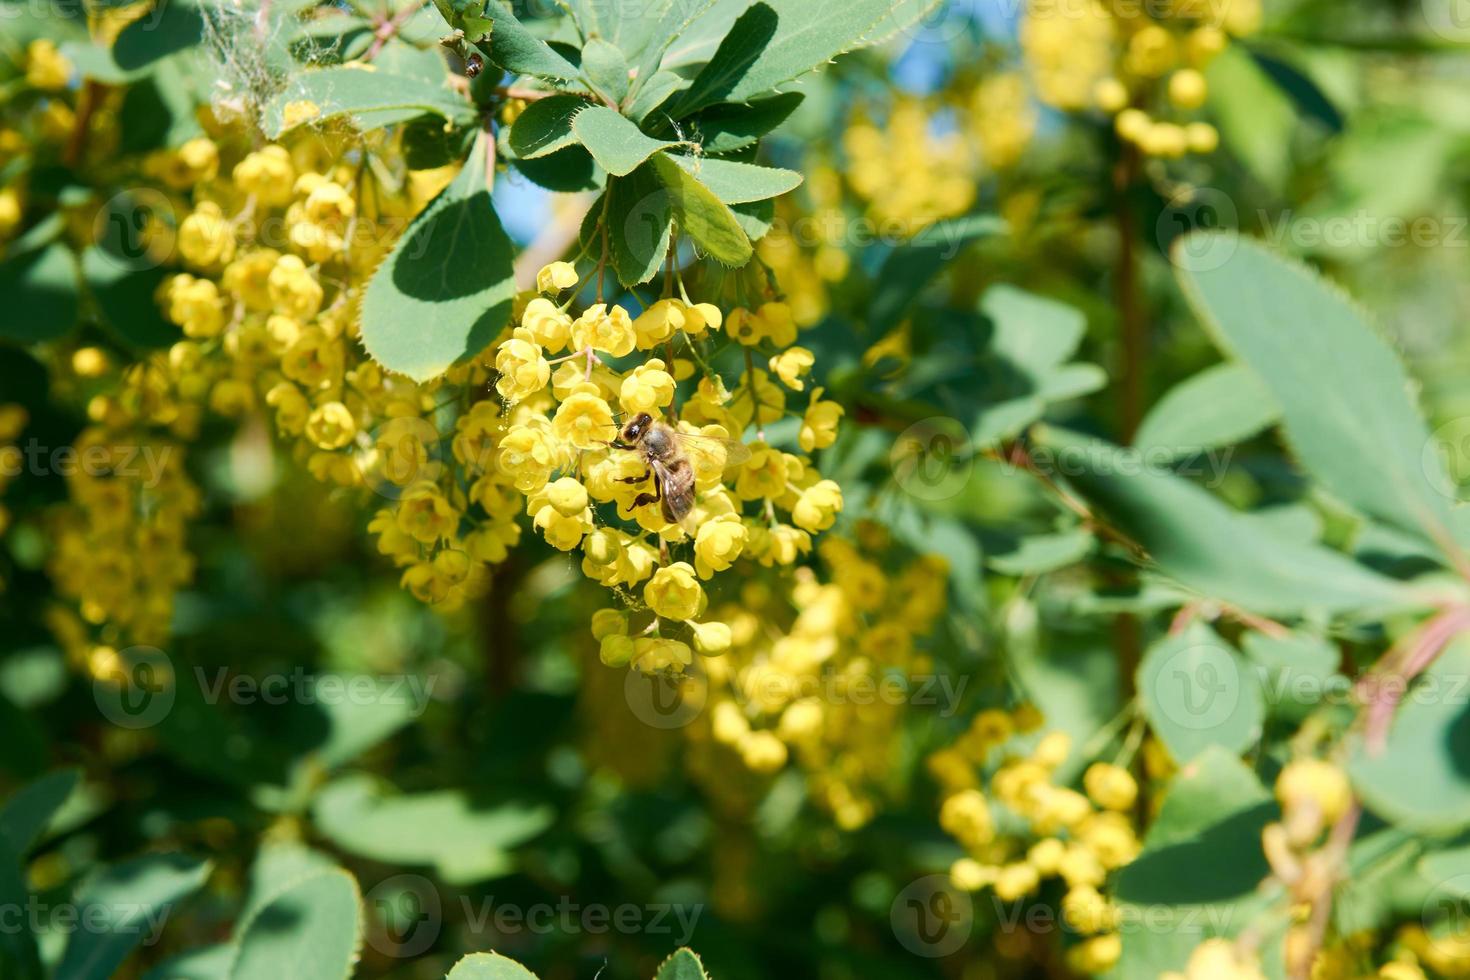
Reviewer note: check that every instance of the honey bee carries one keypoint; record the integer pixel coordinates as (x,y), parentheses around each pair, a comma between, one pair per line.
(666,451)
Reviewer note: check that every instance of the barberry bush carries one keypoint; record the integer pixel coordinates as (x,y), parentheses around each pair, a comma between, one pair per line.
(733,488)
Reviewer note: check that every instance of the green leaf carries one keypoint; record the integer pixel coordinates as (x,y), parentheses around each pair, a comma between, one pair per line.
(41,294)
(774,42)
(1200,867)
(683,964)
(27,813)
(756,218)
(614,141)
(489,966)
(606,68)
(665,23)
(703,216)
(1256,119)
(127,300)
(19,956)
(470,842)
(653,93)
(494,29)
(901,19)
(545,126)
(446,288)
(1025,363)
(371,99)
(204,963)
(732,126)
(566,171)
(1210,548)
(640,222)
(1346,399)
(739,183)
(911,266)
(1220,406)
(428,144)
(126,900)
(1419,780)
(311,928)
(170,26)
(1197,692)
(1297,670)
(1037,554)
(279,864)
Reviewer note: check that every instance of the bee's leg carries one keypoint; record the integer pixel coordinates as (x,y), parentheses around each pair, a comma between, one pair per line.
(635,479)
(649,498)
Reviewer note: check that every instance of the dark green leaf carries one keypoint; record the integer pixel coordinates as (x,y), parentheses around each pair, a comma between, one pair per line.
(640,217)
(614,141)
(447,286)
(545,126)
(732,126)
(606,68)
(41,294)
(124,899)
(703,216)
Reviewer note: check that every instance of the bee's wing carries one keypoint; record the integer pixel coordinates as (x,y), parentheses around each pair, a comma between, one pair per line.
(734,452)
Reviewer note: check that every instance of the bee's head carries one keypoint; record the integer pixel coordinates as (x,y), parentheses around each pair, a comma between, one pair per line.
(634,430)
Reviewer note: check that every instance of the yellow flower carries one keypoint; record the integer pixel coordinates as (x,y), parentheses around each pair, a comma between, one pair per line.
(584,420)
(529,454)
(965,816)
(1315,786)
(46,67)
(562,531)
(818,507)
(314,360)
(791,364)
(556,277)
(425,515)
(762,752)
(1111,787)
(568,496)
(1095,955)
(718,543)
(331,426)
(248,278)
(674,592)
(702,317)
(970,875)
(763,475)
(616,650)
(647,388)
(201,157)
(550,327)
(1187,88)
(658,323)
(609,622)
(267,174)
(599,328)
(291,407)
(819,424)
(1086,911)
(205,237)
(196,306)
(655,653)
(293,290)
(711,638)
(1016,881)
(523,369)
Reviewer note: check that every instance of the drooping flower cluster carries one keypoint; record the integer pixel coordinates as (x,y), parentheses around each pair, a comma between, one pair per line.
(1141,64)
(570,383)
(1020,825)
(822,675)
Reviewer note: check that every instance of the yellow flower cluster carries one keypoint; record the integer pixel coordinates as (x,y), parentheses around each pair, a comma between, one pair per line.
(820,675)
(990,782)
(119,547)
(909,174)
(655,520)
(1145,71)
